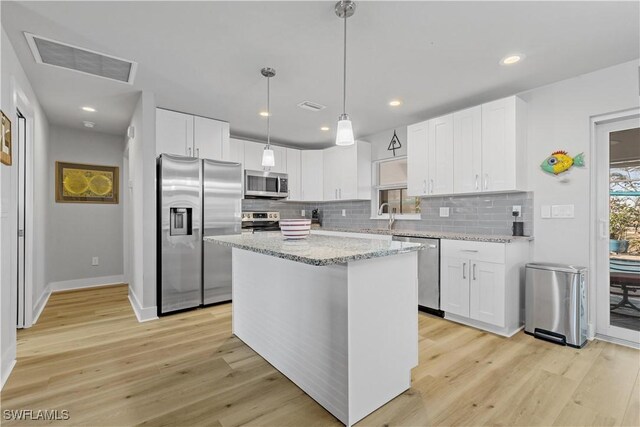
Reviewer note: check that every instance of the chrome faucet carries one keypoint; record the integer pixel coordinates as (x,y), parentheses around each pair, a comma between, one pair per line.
(392,214)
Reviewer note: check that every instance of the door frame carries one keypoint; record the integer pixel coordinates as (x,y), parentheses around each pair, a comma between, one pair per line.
(22,103)
(599,325)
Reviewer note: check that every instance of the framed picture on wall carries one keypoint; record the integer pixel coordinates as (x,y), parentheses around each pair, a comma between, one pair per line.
(80,183)
(5,140)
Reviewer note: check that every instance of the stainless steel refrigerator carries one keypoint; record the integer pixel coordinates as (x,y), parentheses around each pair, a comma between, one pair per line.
(196,198)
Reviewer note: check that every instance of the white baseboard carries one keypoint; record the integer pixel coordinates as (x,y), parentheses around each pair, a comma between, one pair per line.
(90,282)
(42,302)
(143,314)
(618,341)
(505,332)
(8,362)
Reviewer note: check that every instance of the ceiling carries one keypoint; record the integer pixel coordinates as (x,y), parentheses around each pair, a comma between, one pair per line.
(205,58)
(625,146)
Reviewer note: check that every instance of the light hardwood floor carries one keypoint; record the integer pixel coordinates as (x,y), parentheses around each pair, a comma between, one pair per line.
(89,355)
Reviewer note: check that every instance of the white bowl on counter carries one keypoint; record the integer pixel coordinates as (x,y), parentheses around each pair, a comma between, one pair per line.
(295,229)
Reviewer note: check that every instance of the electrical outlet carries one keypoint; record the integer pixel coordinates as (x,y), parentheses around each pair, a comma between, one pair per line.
(302,212)
(95,261)
(516,209)
(444,212)
(344,212)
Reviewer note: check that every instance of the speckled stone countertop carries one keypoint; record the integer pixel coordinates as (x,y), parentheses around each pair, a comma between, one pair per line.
(316,249)
(433,234)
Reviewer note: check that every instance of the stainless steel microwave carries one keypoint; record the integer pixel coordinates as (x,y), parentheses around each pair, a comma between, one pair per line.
(268,185)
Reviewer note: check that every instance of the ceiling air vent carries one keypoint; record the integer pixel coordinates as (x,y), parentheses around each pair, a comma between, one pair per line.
(51,52)
(311,106)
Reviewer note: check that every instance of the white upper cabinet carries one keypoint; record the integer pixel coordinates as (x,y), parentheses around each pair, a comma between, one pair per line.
(174,133)
(193,136)
(417,174)
(236,151)
(467,150)
(211,139)
(253,157)
(440,155)
(294,173)
(480,149)
(312,175)
(347,172)
(504,145)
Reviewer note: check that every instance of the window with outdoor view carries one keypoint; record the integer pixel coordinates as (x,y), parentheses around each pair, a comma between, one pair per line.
(391,188)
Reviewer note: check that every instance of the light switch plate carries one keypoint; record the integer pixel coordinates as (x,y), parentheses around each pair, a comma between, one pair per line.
(562,211)
(302,212)
(517,208)
(344,212)
(95,261)
(444,212)
(545,211)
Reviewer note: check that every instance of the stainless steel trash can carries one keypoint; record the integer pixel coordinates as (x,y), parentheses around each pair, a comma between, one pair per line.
(556,303)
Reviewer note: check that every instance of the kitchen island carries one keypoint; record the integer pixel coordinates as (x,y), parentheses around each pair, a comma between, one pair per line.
(336,315)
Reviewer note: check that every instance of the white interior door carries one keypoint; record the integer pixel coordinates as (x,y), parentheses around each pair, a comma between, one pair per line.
(617,275)
(21,165)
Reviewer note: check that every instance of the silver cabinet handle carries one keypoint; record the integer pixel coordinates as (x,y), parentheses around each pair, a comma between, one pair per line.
(486,181)
(464,267)
(197,152)
(474,271)
(340,193)
(469,250)
(431,186)
(477,182)
(432,246)
(189,148)
(424,186)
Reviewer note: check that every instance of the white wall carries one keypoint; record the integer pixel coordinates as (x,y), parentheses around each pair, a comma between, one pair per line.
(84,230)
(380,142)
(141,223)
(16,92)
(559,119)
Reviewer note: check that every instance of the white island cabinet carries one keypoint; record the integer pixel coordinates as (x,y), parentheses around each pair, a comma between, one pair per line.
(336,315)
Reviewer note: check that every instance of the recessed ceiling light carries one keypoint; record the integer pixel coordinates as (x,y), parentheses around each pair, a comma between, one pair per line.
(324,128)
(395,102)
(88,124)
(89,109)
(264,113)
(512,59)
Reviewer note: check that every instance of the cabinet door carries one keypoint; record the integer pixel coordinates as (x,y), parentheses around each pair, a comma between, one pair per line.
(207,138)
(312,165)
(499,145)
(440,155)
(280,156)
(467,150)
(293,170)
(253,156)
(487,293)
(417,159)
(332,173)
(346,171)
(174,133)
(454,285)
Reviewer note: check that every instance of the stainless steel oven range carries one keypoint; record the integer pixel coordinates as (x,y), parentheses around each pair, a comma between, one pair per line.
(260,221)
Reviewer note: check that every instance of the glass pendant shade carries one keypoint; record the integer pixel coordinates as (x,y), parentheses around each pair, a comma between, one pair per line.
(344,135)
(268,158)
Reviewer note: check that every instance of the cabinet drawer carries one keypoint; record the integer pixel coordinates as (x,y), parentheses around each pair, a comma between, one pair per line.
(478,251)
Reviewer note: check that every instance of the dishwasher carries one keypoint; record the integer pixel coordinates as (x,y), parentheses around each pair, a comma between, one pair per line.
(428,274)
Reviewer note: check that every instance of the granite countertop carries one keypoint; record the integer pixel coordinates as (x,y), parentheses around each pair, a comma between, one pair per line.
(434,234)
(316,249)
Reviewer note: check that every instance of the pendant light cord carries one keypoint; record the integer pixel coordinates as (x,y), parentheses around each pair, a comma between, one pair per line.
(268,113)
(344,69)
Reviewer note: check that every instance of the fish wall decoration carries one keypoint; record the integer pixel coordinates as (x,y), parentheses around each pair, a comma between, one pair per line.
(559,162)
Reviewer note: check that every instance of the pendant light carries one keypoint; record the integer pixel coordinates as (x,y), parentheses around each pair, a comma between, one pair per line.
(344,134)
(268,158)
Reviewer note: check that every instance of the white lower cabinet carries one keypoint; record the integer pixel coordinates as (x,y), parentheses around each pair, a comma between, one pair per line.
(482,284)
